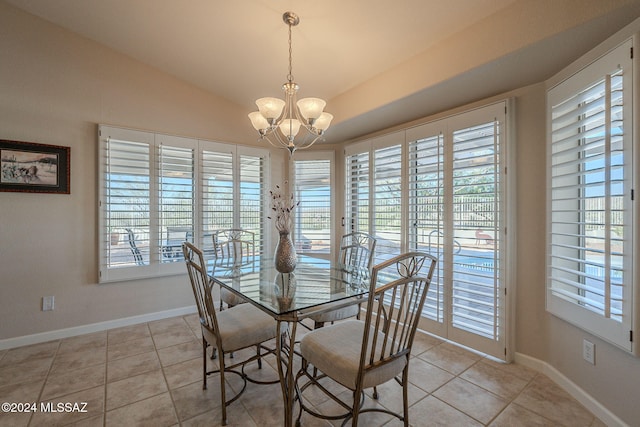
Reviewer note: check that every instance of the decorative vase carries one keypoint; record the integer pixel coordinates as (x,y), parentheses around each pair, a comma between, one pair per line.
(285,257)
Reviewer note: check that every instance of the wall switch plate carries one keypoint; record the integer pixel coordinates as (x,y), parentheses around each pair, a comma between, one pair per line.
(48,303)
(589,351)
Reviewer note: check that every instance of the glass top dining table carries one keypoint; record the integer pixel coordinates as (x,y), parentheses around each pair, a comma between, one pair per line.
(315,286)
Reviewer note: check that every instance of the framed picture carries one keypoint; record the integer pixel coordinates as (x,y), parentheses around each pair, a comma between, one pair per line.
(34,168)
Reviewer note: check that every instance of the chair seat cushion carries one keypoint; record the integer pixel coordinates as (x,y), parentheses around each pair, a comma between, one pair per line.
(338,314)
(242,326)
(335,351)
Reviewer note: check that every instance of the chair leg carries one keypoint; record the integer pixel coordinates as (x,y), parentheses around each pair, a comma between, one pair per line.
(405,395)
(204,364)
(317,325)
(355,411)
(223,396)
(259,358)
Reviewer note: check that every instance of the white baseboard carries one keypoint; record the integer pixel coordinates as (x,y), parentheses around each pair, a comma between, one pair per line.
(93,327)
(585,399)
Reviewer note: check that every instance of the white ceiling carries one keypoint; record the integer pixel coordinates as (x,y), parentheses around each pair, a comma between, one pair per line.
(238,49)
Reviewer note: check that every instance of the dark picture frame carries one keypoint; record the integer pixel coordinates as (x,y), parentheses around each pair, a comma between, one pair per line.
(34,168)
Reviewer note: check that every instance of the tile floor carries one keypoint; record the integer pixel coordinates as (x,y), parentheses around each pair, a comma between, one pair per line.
(150,375)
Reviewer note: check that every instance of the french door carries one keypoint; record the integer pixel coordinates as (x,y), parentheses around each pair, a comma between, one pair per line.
(441,188)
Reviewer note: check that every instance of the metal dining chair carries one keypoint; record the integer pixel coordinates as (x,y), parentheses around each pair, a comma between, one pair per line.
(363,354)
(233,250)
(356,252)
(228,331)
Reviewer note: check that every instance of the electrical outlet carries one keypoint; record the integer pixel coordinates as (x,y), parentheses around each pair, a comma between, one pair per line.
(48,303)
(589,351)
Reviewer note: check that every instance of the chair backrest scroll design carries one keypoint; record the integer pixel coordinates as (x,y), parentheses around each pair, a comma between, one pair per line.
(394,308)
(356,250)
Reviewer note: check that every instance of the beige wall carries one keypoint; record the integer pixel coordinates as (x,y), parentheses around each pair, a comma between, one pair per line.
(55,88)
(531,319)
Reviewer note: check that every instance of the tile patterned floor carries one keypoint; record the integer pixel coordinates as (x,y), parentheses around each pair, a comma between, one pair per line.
(150,375)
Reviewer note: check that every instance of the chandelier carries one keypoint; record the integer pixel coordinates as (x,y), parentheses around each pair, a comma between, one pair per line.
(280,120)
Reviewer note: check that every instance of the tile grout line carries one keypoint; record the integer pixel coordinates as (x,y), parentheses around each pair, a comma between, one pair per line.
(46,379)
(169,390)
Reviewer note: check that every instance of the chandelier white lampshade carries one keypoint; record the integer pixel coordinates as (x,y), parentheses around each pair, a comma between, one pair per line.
(270,108)
(289,128)
(323,122)
(311,108)
(258,121)
(280,120)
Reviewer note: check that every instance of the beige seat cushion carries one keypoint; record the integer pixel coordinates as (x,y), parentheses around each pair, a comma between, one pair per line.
(335,351)
(242,326)
(338,314)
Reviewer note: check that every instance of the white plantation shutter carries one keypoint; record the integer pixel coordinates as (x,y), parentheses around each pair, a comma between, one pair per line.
(440,188)
(126,192)
(478,279)
(176,169)
(217,192)
(590,200)
(426,209)
(156,191)
(387,201)
(313,183)
(456,213)
(146,192)
(374,192)
(251,199)
(232,191)
(357,193)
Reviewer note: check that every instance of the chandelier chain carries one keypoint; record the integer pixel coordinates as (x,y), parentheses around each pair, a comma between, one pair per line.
(290,75)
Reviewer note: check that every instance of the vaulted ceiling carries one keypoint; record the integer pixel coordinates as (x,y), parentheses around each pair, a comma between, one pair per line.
(378,63)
